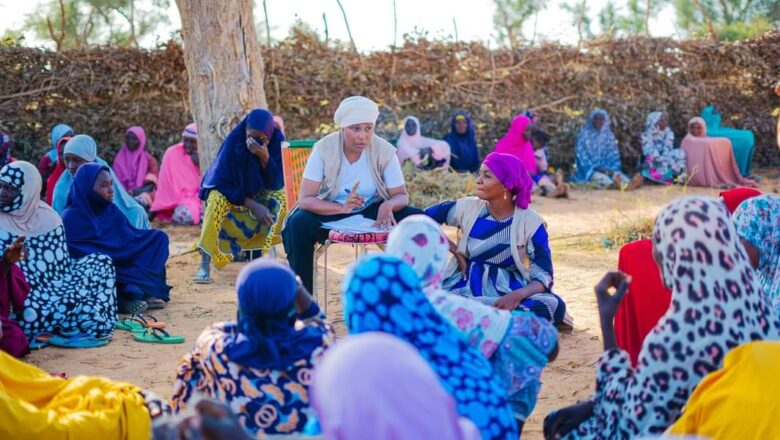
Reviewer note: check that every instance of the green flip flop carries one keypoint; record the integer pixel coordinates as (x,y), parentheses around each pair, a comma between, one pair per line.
(157,336)
(138,323)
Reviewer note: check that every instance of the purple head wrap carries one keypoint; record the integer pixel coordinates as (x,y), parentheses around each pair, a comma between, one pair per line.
(513,175)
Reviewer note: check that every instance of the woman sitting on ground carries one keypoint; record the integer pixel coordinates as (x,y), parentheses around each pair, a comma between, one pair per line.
(710,160)
(425,153)
(244,194)
(743,142)
(517,142)
(716,305)
(758,224)
(498,233)
(135,168)
(462,139)
(13,291)
(66,295)
(597,155)
(82,149)
(350,172)
(518,345)
(662,162)
(176,198)
(51,159)
(94,225)
(382,293)
(260,365)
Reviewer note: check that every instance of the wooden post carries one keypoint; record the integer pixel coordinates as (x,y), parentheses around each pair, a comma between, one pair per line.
(224,68)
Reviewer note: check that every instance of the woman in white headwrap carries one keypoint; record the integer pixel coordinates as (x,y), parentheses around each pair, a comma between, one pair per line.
(352,171)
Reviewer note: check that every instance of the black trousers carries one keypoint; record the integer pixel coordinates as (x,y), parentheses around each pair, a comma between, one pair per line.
(304,230)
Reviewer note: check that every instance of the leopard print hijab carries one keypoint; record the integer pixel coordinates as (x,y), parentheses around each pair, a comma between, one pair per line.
(716,306)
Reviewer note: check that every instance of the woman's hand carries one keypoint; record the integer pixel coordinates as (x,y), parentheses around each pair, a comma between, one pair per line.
(15,252)
(561,422)
(510,301)
(463,262)
(384,217)
(261,213)
(354,201)
(261,151)
(608,302)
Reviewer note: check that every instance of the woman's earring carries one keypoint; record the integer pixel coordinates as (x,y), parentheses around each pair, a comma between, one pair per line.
(505,196)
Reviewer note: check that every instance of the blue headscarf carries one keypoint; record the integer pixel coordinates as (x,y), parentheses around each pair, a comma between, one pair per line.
(236,173)
(94,225)
(266,336)
(383,294)
(57,132)
(596,148)
(465,155)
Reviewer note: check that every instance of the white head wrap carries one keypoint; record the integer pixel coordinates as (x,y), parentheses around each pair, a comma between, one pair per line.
(356,110)
(82,146)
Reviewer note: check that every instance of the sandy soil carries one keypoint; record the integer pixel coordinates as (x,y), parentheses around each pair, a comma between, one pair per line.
(574,227)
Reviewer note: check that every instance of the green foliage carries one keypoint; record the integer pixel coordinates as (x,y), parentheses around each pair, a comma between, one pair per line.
(731,20)
(630,20)
(579,18)
(510,16)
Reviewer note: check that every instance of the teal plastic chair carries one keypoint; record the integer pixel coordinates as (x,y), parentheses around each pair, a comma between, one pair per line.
(743,141)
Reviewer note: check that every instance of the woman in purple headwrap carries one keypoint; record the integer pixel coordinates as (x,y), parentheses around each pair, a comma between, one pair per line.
(499,233)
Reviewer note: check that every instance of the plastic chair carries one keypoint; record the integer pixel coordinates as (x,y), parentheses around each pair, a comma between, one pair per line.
(294,156)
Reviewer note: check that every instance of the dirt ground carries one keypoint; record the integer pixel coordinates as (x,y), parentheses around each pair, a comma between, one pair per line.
(574,225)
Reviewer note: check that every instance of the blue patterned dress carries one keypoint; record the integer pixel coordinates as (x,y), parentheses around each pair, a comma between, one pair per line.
(492,272)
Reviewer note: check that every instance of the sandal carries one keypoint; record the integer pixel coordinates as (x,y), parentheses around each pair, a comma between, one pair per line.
(77,341)
(202,278)
(40,340)
(138,323)
(131,307)
(154,303)
(157,336)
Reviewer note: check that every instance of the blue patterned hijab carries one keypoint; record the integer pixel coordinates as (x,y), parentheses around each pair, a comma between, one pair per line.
(382,293)
(596,148)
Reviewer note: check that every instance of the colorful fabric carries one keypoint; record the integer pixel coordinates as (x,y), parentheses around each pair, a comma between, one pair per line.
(356,110)
(35,404)
(517,142)
(51,181)
(710,160)
(663,162)
(758,222)
(57,133)
(716,305)
(513,175)
(27,214)
(743,142)
(236,172)
(85,147)
(190,131)
(13,291)
(361,238)
(94,225)
(131,167)
(411,146)
(228,229)
(6,146)
(463,147)
(517,345)
(734,402)
(178,184)
(734,197)
(596,150)
(382,293)
(375,386)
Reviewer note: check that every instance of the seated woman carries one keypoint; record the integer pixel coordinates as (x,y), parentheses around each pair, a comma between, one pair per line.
(376,386)
(597,155)
(50,160)
(382,294)
(94,225)
(135,168)
(662,162)
(518,345)
(244,194)
(517,142)
(742,141)
(733,402)
(54,177)
(716,305)
(710,160)
(425,153)
(758,224)
(13,291)
(82,149)
(462,139)
(350,172)
(261,365)
(498,233)
(66,295)
(35,404)
(176,198)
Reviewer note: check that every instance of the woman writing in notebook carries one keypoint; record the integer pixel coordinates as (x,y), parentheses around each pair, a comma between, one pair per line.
(352,171)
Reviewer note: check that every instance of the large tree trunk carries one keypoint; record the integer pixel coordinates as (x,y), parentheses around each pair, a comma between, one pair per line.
(224,68)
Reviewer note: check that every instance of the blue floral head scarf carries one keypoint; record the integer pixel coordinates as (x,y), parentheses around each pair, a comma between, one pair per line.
(382,293)
(596,148)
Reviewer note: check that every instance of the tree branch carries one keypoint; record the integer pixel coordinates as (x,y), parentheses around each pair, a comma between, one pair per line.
(708,19)
(346,22)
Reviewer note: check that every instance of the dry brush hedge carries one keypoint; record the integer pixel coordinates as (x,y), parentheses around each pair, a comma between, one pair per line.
(102,91)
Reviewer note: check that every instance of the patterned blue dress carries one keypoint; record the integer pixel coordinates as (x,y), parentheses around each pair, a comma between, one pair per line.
(492,272)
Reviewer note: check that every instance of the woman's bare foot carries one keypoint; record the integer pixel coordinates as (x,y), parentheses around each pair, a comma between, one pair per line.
(562,190)
(636,182)
(560,177)
(617,181)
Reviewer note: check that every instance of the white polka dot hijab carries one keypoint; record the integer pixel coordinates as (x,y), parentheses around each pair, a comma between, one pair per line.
(27,214)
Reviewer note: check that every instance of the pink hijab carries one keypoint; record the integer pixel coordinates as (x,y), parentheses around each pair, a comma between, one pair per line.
(376,386)
(179,181)
(130,166)
(515,143)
